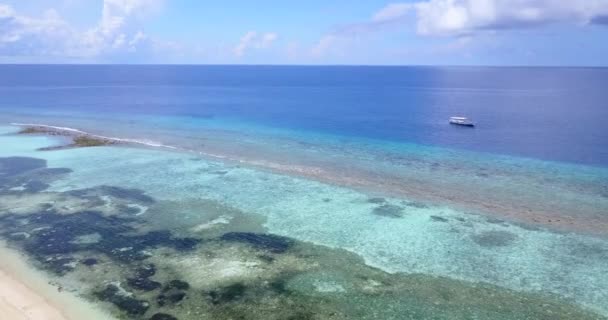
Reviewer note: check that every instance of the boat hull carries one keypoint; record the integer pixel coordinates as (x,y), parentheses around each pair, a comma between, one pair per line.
(462,124)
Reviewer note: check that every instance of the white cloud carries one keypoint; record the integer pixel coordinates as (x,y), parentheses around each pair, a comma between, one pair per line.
(454,17)
(463,19)
(24,35)
(392,11)
(118,27)
(116,32)
(268,39)
(323,46)
(245,43)
(6,11)
(254,40)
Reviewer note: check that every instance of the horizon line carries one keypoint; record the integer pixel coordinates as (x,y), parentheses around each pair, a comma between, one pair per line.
(306,65)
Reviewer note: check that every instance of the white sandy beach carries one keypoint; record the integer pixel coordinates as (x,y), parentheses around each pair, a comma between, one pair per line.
(25,294)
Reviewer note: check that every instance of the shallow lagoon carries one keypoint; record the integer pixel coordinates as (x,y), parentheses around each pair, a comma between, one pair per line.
(179,235)
(520,189)
(147,232)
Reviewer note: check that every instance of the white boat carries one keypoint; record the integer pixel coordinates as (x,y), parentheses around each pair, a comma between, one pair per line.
(462,121)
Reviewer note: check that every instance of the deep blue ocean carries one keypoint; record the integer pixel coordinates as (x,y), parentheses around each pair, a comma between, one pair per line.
(555,114)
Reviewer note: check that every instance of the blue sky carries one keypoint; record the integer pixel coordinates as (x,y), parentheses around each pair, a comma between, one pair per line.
(371,32)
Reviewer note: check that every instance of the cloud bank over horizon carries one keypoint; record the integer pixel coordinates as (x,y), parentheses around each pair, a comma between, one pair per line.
(116,32)
(408,32)
(456,17)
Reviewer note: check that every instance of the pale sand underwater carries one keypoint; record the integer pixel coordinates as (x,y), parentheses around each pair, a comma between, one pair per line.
(25,294)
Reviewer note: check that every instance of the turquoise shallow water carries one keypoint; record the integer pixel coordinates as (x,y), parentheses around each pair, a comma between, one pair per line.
(394,233)
(522,189)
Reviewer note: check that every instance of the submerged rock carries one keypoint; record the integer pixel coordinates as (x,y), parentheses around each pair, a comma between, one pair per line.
(89,262)
(123,300)
(272,243)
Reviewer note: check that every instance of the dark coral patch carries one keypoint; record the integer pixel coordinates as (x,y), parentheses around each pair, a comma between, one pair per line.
(143,284)
(302,315)
(59,231)
(494,238)
(173,292)
(587,250)
(89,262)
(145,271)
(438,219)
(376,200)
(23,174)
(495,221)
(128,210)
(279,286)
(272,243)
(266,258)
(227,294)
(388,210)
(170,298)
(124,302)
(141,281)
(12,166)
(57,235)
(177,285)
(128,248)
(59,264)
(163,316)
(417,204)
